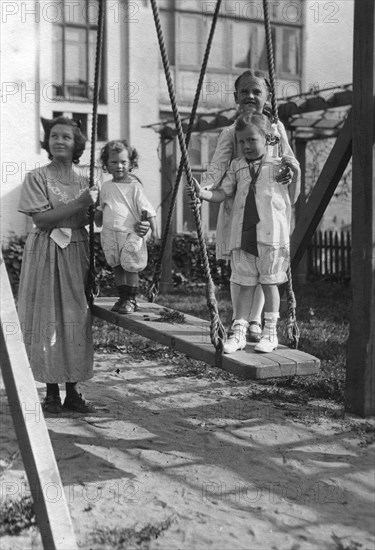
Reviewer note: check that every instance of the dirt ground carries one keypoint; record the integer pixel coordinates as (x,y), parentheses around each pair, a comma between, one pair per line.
(195,462)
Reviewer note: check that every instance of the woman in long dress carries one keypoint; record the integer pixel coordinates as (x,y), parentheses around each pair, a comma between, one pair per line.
(53,310)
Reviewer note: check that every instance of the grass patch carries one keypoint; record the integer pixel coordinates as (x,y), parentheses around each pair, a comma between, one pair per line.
(17,515)
(117,539)
(323,310)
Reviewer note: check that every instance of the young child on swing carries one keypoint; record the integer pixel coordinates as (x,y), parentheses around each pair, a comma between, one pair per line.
(123,205)
(260,226)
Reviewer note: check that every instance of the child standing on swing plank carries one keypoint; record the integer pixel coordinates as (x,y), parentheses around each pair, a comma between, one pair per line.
(251,94)
(123,205)
(260,226)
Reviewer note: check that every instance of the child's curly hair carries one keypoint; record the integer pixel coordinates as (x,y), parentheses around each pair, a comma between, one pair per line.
(79,138)
(261,122)
(118,145)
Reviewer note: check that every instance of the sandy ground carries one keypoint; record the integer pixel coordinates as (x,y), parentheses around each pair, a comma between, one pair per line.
(193,462)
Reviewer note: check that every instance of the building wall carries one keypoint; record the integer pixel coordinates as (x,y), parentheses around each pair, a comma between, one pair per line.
(27,94)
(328,59)
(19,113)
(135,84)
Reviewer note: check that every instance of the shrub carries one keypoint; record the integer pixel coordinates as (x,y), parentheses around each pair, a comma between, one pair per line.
(187,264)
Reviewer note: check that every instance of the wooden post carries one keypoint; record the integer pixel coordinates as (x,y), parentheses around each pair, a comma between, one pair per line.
(50,506)
(360,366)
(167,181)
(301,271)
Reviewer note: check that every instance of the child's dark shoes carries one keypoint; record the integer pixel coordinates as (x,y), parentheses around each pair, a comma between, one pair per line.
(52,404)
(76,403)
(130,306)
(116,306)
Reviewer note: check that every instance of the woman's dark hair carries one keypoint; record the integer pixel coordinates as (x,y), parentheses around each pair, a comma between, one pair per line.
(79,138)
(118,145)
(261,122)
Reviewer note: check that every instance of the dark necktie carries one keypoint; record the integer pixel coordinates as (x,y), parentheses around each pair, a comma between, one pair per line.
(250,215)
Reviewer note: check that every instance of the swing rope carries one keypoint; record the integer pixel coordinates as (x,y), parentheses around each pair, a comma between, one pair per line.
(98,57)
(292,330)
(217,331)
(154,288)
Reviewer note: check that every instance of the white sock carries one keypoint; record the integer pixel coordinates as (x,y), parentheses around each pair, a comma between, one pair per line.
(270,322)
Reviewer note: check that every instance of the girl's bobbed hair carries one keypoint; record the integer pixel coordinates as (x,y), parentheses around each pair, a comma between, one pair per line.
(260,121)
(116,146)
(79,138)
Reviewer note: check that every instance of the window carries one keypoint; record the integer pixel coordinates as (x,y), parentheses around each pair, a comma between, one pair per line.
(261,62)
(237,44)
(290,61)
(74,49)
(167,23)
(190,40)
(102,128)
(81,119)
(243,45)
(84,121)
(219,50)
(201,149)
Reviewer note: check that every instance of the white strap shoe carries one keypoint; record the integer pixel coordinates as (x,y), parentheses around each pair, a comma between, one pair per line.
(237,340)
(266,344)
(255,331)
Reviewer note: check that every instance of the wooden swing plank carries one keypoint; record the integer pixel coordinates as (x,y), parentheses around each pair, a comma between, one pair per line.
(193,339)
(52,512)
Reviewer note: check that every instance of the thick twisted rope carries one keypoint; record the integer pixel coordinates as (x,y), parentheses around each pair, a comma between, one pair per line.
(98,57)
(217,331)
(292,329)
(154,288)
(270,58)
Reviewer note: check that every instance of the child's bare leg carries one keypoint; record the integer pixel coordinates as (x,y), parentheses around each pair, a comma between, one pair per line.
(269,340)
(234,293)
(255,318)
(258,304)
(271,298)
(245,302)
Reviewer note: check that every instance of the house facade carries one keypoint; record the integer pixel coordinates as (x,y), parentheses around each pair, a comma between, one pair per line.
(48,70)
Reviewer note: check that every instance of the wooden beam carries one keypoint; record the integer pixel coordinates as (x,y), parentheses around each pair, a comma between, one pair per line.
(50,505)
(300,148)
(322,192)
(193,338)
(167,180)
(360,367)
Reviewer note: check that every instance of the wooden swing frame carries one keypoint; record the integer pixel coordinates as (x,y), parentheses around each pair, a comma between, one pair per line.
(359,134)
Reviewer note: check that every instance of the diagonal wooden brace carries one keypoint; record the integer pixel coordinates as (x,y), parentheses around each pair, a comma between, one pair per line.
(322,192)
